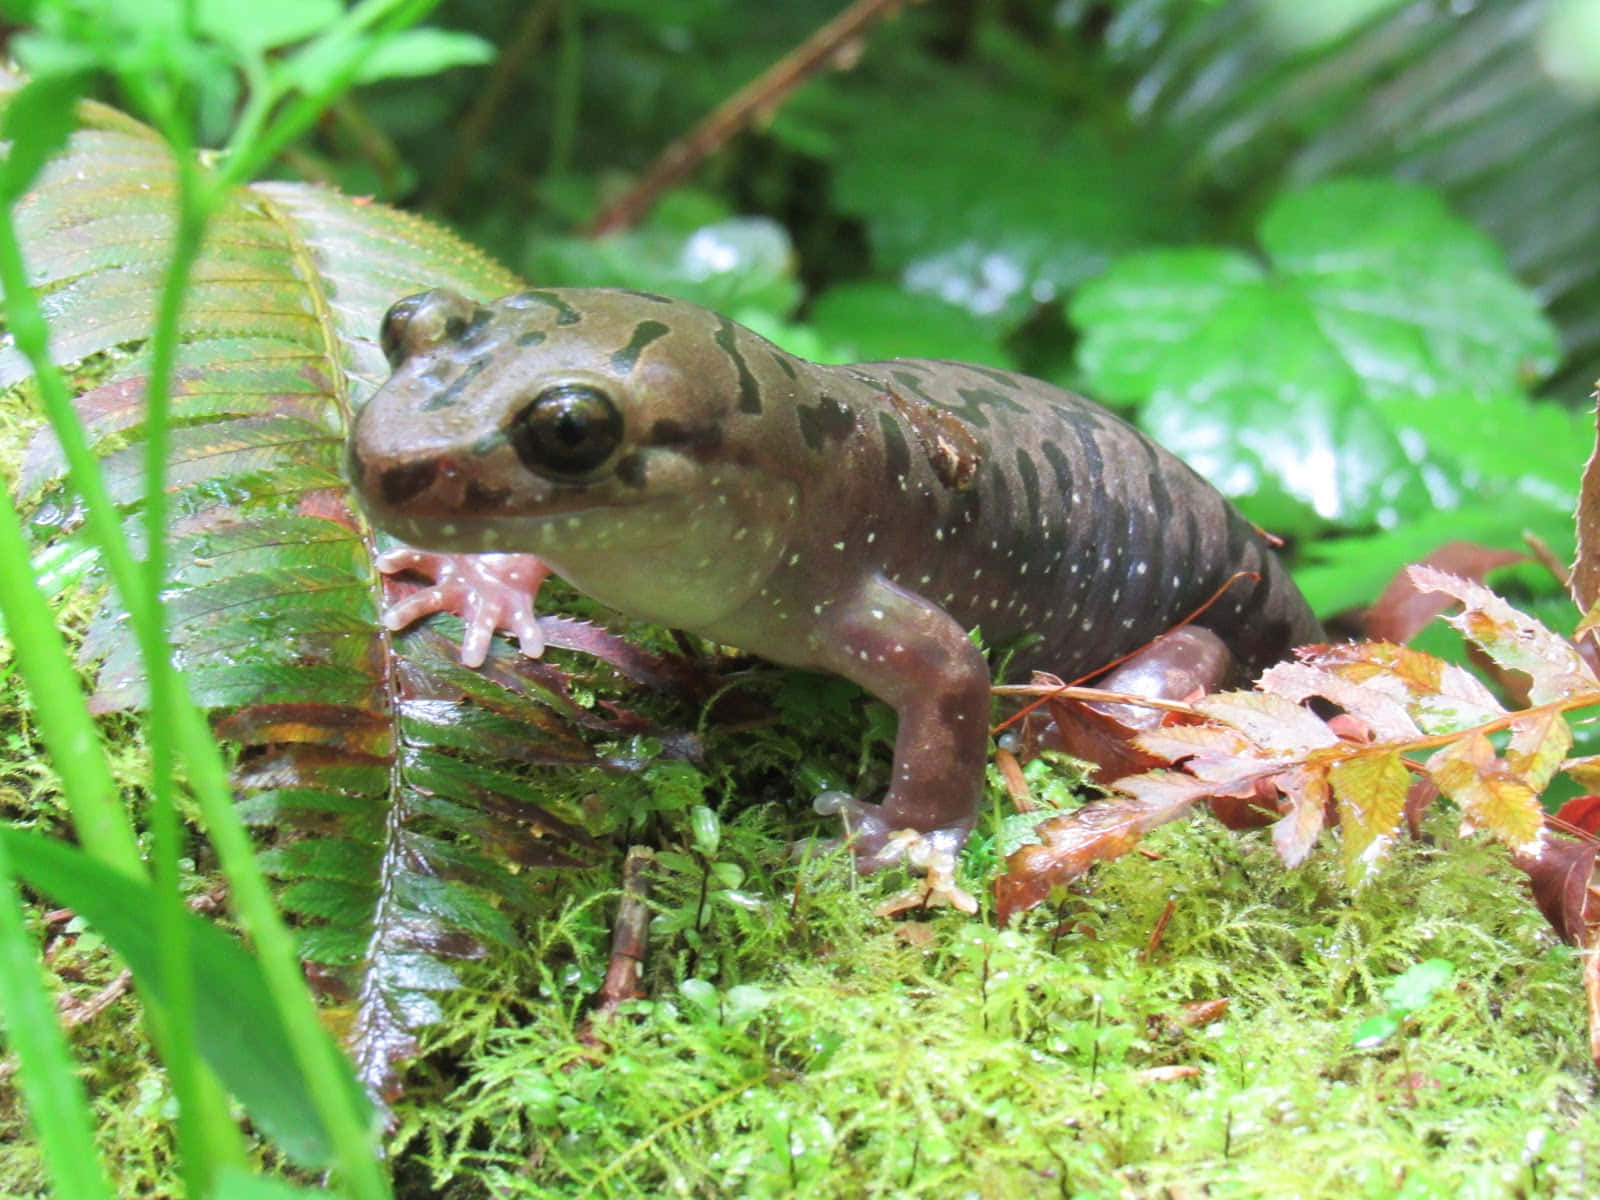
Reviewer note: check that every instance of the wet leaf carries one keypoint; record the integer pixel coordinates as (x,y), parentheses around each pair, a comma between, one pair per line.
(1581,813)
(953,231)
(1361,301)
(388,785)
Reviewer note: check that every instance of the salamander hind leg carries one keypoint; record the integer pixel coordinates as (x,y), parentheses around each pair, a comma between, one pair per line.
(916,658)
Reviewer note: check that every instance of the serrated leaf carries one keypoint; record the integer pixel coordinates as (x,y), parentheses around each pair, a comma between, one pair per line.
(1459,99)
(1539,743)
(1513,639)
(1272,722)
(1383,715)
(1441,697)
(1296,832)
(1371,791)
(1360,306)
(1489,795)
(1069,844)
(395,829)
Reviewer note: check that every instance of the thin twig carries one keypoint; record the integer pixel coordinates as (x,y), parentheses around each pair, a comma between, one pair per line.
(757,99)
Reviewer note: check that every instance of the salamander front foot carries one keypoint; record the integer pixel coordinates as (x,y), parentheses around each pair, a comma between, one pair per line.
(489,592)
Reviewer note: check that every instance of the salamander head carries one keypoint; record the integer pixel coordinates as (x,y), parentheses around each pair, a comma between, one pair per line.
(502,421)
(584,425)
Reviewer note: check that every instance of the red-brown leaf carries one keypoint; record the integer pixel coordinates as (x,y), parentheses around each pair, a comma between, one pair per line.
(1073,842)
(1586,570)
(1086,732)
(1581,813)
(1562,873)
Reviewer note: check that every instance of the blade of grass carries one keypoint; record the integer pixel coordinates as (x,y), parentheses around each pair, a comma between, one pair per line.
(237,1026)
(56,1101)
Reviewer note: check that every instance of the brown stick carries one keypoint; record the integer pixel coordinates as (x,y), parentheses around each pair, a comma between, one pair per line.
(629,936)
(758,98)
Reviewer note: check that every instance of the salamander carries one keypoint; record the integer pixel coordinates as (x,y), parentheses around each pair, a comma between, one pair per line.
(857,519)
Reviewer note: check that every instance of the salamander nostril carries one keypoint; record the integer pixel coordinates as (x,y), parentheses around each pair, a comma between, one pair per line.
(399,484)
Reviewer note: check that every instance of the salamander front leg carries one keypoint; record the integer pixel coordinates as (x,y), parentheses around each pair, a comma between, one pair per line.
(913,656)
(488,591)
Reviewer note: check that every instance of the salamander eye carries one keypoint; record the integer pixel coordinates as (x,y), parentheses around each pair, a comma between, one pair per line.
(568,433)
(392,336)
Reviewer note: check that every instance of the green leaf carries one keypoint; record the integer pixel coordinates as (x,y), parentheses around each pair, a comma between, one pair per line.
(1289,383)
(728,265)
(705,829)
(1487,103)
(1414,988)
(397,820)
(237,1027)
(58,1111)
(36,123)
(417,52)
(1009,205)
(234,1183)
(878,321)
(254,28)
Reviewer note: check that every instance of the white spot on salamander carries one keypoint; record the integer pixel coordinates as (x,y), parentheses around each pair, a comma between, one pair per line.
(1141,567)
(877,614)
(838,545)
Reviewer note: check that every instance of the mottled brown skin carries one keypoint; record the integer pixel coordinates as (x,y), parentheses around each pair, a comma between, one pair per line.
(852,519)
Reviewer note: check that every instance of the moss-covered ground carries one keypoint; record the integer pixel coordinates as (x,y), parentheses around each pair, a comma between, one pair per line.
(794,1043)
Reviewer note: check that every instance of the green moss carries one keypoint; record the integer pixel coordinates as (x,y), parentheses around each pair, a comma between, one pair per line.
(811,1048)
